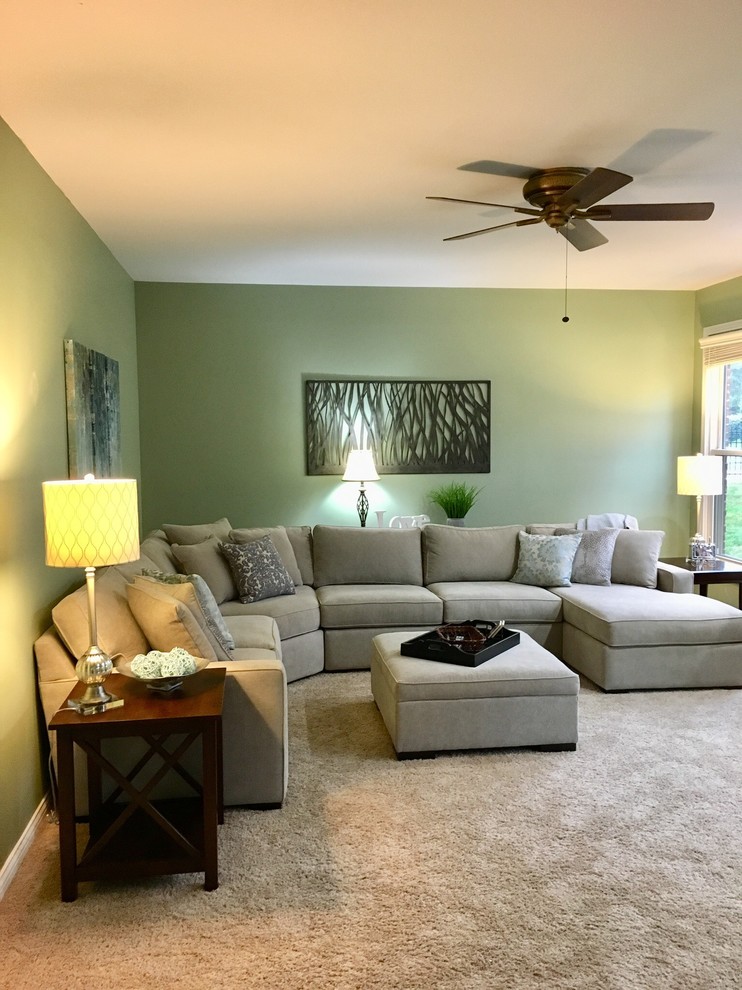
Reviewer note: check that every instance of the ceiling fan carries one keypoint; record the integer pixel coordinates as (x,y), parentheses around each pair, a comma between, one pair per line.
(564,198)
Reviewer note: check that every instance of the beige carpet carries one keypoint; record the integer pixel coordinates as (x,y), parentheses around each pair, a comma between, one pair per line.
(617,866)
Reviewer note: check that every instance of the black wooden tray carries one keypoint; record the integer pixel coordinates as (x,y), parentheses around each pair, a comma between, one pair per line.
(464,645)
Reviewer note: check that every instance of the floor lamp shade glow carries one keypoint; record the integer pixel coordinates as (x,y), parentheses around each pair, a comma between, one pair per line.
(91,523)
(361,467)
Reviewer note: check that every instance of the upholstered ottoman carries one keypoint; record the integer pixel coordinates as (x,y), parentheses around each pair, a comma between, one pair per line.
(523,697)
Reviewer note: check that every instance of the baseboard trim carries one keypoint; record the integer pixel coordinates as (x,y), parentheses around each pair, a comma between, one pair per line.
(12,864)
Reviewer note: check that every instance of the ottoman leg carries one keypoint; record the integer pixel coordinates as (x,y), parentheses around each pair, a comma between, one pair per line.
(556,748)
(417,756)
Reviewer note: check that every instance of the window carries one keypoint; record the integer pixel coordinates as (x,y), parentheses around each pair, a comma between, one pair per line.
(722,431)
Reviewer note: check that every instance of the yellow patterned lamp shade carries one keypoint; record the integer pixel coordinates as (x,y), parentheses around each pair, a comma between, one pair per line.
(91,523)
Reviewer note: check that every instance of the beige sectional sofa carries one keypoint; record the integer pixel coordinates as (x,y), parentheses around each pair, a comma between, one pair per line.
(645,629)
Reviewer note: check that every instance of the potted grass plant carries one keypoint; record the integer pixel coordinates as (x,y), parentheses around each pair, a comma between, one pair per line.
(456,499)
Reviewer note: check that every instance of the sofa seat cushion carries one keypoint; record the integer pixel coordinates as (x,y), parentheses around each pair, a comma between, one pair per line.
(253,632)
(497,600)
(625,615)
(294,614)
(348,606)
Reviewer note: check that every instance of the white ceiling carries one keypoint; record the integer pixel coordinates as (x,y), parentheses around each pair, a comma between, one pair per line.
(294,141)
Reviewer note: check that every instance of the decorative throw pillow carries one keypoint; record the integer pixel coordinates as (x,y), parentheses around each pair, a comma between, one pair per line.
(258,570)
(635,557)
(212,616)
(119,634)
(594,557)
(166,622)
(546,561)
(280,541)
(207,560)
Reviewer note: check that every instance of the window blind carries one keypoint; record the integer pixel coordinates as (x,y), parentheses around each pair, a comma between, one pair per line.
(722,348)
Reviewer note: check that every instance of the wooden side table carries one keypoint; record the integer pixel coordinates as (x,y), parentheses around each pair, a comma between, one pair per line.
(143,835)
(711,572)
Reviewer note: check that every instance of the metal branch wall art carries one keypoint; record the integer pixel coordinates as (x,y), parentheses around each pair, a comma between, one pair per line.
(413,427)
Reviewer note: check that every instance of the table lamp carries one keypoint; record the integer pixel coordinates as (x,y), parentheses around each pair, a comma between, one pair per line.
(700,475)
(361,467)
(91,523)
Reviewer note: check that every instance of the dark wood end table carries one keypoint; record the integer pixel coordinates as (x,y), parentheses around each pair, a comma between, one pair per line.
(711,572)
(144,835)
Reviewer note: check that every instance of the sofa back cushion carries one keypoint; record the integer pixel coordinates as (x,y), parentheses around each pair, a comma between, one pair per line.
(155,545)
(635,557)
(355,555)
(550,529)
(188,535)
(453,553)
(301,541)
(118,630)
(207,560)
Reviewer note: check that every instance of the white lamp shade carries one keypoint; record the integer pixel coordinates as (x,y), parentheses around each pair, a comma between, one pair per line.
(360,466)
(700,475)
(91,523)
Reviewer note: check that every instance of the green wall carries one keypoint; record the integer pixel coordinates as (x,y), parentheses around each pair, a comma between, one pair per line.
(57,280)
(720,303)
(586,417)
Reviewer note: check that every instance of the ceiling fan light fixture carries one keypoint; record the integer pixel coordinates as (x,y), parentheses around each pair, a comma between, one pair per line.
(564,198)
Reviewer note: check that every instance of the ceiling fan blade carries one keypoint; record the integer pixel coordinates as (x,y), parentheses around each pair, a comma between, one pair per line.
(596,185)
(486,230)
(499,168)
(582,235)
(477,202)
(651,211)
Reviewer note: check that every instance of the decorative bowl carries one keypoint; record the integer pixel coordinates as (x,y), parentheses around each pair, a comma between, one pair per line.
(164,684)
(464,636)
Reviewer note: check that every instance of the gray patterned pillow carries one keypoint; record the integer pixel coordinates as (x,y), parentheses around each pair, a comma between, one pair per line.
(258,570)
(212,615)
(594,557)
(546,561)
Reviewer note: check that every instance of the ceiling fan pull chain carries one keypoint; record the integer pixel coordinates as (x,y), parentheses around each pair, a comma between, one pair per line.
(565,318)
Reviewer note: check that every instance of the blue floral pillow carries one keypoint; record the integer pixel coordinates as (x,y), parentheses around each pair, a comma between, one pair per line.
(546,561)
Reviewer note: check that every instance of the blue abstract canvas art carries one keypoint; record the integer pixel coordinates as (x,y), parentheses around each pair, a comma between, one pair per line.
(93,412)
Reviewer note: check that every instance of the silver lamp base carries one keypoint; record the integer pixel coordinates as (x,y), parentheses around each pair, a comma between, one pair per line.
(92,669)
(700,550)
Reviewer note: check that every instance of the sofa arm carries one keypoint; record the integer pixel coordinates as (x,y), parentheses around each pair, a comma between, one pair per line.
(255,731)
(674,579)
(254,724)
